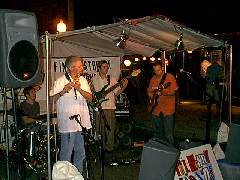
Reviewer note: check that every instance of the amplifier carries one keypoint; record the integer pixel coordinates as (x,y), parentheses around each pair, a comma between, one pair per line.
(120,113)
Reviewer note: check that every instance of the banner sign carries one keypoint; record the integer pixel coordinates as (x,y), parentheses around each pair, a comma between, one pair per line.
(90,66)
(198,163)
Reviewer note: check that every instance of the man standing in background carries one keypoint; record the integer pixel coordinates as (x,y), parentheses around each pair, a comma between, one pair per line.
(106,123)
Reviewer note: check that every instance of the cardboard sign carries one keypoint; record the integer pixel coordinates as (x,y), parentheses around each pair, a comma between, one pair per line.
(198,163)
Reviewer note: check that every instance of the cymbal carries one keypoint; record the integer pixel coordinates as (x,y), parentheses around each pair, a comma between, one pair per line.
(44,116)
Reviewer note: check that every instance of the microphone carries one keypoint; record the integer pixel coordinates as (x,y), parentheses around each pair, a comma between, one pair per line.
(75,92)
(182,71)
(77,118)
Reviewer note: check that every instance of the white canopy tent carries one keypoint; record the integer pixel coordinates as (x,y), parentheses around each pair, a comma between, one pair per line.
(146,35)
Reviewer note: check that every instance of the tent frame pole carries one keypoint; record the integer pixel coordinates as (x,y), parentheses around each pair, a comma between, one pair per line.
(47,103)
(230,84)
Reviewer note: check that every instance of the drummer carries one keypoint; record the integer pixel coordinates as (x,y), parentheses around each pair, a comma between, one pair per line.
(30,108)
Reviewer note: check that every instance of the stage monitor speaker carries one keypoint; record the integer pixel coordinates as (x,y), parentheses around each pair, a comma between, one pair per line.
(232,152)
(124,131)
(19,59)
(158,161)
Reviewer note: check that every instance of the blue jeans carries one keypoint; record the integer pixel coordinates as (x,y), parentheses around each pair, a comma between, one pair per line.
(164,127)
(70,142)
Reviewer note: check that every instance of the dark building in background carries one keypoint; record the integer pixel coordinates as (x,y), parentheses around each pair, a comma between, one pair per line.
(48,12)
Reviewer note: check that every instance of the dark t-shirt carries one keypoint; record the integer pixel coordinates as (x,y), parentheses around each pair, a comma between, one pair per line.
(215,75)
(30,109)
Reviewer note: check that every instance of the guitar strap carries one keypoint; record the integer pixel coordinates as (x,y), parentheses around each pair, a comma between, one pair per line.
(67,77)
(162,80)
(151,106)
(108,79)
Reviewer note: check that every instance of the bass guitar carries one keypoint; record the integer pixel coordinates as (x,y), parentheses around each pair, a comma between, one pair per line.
(99,96)
(153,102)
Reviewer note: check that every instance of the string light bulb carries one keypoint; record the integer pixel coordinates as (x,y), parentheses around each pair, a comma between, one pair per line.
(127,62)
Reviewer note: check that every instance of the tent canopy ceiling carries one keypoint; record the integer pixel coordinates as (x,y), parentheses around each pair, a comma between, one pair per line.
(146,36)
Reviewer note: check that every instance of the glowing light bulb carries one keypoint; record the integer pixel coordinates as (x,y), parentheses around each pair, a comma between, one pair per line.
(61,27)
(127,62)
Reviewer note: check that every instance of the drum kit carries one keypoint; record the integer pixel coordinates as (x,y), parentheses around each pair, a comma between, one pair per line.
(32,145)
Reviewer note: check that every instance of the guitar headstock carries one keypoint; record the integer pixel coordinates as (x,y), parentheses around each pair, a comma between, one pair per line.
(136,72)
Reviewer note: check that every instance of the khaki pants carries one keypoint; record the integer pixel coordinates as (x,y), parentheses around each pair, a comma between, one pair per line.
(105,127)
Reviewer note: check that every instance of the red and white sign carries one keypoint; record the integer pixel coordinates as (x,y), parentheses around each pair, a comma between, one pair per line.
(198,163)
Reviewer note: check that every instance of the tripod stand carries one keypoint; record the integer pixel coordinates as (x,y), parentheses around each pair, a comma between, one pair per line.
(102,127)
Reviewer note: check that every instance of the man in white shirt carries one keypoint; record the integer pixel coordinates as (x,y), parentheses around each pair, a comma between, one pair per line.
(71,93)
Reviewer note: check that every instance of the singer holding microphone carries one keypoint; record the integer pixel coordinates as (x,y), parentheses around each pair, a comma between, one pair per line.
(71,92)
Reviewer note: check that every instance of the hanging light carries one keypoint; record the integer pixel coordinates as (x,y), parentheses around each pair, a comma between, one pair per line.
(136,59)
(179,43)
(61,26)
(127,62)
(121,42)
(152,58)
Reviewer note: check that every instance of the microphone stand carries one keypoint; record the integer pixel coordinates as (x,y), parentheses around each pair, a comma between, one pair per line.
(189,75)
(103,126)
(87,138)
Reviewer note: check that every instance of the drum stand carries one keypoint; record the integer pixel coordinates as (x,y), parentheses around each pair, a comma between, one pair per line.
(55,142)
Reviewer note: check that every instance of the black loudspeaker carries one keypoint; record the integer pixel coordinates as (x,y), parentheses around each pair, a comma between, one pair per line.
(232,152)
(19,59)
(158,161)
(124,131)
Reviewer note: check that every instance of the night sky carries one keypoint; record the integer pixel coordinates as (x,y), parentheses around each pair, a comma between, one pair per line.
(206,16)
(203,15)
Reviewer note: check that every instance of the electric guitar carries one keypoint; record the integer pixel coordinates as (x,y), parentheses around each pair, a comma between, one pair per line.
(153,102)
(99,96)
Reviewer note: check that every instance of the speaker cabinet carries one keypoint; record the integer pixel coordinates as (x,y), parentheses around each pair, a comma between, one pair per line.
(124,131)
(19,59)
(232,152)
(158,161)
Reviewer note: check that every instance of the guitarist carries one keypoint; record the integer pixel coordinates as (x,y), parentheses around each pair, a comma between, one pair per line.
(164,108)
(106,123)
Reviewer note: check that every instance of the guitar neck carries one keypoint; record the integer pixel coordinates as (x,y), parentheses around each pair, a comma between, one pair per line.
(115,86)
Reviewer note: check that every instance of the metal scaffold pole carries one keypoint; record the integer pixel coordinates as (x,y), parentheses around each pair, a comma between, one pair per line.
(47,103)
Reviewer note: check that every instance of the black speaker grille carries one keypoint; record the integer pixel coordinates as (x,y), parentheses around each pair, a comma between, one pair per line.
(23,60)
